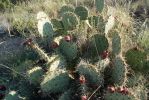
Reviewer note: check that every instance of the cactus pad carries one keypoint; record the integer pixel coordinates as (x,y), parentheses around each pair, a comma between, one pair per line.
(82,12)
(99,5)
(66,8)
(69,50)
(55,82)
(91,74)
(98,44)
(70,21)
(35,75)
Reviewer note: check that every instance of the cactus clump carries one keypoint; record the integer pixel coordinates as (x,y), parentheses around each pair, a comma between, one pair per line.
(70,21)
(82,12)
(35,75)
(52,82)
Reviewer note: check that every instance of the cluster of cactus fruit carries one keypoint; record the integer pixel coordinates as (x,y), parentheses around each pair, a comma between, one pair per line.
(72,70)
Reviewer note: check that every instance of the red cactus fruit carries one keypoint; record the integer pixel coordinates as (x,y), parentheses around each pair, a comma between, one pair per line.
(120,89)
(1,96)
(111,89)
(54,45)
(82,79)
(125,90)
(83,97)
(2,88)
(105,54)
(68,38)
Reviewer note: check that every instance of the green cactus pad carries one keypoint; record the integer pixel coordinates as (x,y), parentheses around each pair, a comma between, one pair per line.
(66,8)
(70,21)
(82,12)
(117,96)
(118,71)
(91,74)
(57,24)
(55,82)
(69,50)
(97,45)
(35,75)
(47,30)
(97,22)
(136,59)
(116,44)
(45,27)
(99,5)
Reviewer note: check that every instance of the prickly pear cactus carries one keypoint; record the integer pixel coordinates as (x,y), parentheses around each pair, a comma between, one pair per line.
(74,36)
(70,21)
(82,12)
(99,5)
(66,8)
(35,75)
(55,82)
